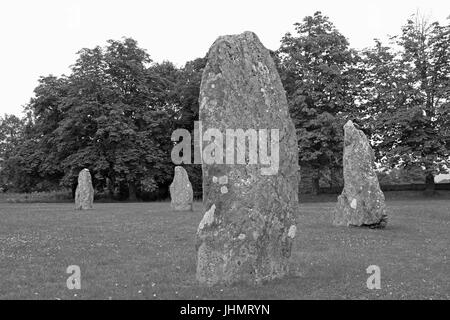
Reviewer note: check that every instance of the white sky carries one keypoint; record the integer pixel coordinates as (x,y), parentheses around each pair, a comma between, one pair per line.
(42,37)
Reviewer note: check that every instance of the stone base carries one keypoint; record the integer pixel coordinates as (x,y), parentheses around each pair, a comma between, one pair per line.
(83,206)
(182,207)
(220,267)
(348,213)
(83,203)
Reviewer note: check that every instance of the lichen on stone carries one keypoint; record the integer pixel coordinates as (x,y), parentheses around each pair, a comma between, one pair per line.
(208,218)
(255,209)
(292,231)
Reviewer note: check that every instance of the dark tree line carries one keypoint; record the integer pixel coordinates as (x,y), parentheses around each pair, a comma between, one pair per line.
(115,112)
(399,94)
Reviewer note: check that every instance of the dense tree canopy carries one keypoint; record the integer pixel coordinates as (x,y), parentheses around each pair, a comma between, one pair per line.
(406,97)
(115,112)
(317,69)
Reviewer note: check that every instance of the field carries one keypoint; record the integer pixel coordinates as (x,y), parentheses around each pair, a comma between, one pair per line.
(146,251)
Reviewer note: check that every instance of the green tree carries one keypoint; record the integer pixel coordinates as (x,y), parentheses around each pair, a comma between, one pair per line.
(31,163)
(116,119)
(11,136)
(114,114)
(11,131)
(406,98)
(188,91)
(318,71)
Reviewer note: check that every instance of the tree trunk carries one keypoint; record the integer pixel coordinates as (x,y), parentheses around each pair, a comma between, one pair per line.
(429,182)
(132,191)
(74,189)
(315,188)
(336,177)
(110,187)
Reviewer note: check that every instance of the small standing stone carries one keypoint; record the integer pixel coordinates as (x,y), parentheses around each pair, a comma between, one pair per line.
(181,193)
(84,194)
(362,201)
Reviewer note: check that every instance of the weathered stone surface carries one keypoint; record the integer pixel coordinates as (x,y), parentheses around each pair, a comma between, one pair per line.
(362,201)
(249,223)
(181,193)
(84,194)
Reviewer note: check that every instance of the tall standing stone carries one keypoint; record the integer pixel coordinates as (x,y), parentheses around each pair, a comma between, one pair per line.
(249,222)
(84,194)
(181,193)
(362,201)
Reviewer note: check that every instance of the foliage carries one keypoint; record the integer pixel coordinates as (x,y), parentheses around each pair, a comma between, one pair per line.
(411,175)
(406,97)
(115,112)
(317,69)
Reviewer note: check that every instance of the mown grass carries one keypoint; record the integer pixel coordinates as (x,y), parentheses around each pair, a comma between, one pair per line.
(146,251)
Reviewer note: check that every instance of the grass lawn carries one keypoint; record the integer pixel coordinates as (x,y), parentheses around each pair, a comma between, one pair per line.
(146,251)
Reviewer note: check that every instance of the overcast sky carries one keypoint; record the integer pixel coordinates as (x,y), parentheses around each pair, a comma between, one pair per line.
(42,37)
